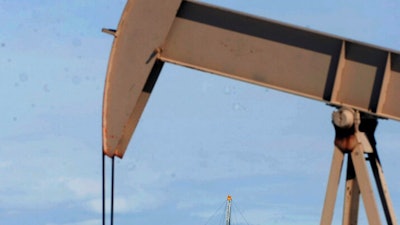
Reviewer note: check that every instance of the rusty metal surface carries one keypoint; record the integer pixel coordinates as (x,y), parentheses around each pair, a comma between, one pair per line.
(355,138)
(239,46)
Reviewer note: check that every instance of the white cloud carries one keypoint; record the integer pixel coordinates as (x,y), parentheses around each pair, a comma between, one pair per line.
(121,205)
(5,164)
(137,201)
(267,214)
(42,172)
(85,222)
(83,187)
(280,215)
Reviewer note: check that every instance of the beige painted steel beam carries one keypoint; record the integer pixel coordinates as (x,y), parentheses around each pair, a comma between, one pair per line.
(332,187)
(143,26)
(351,196)
(367,192)
(382,188)
(256,50)
(354,136)
(357,182)
(287,58)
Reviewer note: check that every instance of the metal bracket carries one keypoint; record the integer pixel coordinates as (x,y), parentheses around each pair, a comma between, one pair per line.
(109,31)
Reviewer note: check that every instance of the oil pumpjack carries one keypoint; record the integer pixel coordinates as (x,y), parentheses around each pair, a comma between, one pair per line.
(361,80)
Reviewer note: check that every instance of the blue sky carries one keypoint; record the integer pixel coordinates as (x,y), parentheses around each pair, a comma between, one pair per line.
(201,136)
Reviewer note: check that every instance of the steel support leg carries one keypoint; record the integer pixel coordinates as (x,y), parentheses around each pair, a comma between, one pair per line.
(367,192)
(368,126)
(331,190)
(351,196)
(382,189)
(357,182)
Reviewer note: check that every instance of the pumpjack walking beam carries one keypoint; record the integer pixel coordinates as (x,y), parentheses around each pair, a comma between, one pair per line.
(355,138)
(264,52)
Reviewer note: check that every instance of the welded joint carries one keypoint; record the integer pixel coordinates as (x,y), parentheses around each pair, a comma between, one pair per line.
(155,54)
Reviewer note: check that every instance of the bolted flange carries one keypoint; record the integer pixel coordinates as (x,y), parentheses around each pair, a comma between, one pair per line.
(344,120)
(344,117)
